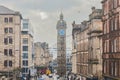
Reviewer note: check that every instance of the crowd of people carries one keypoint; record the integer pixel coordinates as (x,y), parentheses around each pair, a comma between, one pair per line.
(53,76)
(71,76)
(48,77)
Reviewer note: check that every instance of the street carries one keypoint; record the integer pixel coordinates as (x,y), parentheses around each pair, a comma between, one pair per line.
(59,39)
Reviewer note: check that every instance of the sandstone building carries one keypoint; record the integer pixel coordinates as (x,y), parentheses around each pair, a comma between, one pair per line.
(95,44)
(10,36)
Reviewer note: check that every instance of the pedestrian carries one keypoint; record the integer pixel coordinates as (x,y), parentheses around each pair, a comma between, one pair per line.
(40,78)
(72,76)
(44,76)
(75,76)
(55,77)
(69,77)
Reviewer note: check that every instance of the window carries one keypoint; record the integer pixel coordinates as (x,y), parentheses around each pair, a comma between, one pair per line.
(104,28)
(104,67)
(5,40)
(112,68)
(107,45)
(25,62)
(115,45)
(5,63)
(116,26)
(6,20)
(24,70)
(112,4)
(10,30)
(25,48)
(116,3)
(111,24)
(112,45)
(117,21)
(10,19)
(10,63)
(25,55)
(24,32)
(10,40)
(104,46)
(6,30)
(5,52)
(10,52)
(116,68)
(25,25)
(25,41)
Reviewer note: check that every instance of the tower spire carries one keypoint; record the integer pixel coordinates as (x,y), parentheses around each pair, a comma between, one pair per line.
(61,16)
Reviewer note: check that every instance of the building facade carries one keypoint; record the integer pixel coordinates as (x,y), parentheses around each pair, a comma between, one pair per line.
(111,39)
(61,46)
(75,30)
(47,56)
(39,55)
(94,44)
(10,36)
(81,44)
(26,47)
(68,61)
(42,55)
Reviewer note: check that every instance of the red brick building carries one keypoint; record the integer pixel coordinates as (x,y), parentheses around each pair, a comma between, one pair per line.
(111,39)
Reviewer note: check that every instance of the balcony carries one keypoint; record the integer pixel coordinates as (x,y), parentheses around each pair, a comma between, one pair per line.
(93,61)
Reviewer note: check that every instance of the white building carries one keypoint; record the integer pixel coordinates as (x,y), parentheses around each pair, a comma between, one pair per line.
(27,52)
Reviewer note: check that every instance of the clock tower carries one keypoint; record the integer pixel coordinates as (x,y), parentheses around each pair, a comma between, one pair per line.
(61,46)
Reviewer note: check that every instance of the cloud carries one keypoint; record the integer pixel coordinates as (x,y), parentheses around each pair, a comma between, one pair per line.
(43,15)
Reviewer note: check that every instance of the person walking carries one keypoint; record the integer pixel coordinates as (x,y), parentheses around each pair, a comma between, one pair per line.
(55,77)
(69,77)
(40,78)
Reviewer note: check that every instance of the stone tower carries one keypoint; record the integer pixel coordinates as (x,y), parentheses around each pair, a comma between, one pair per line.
(61,46)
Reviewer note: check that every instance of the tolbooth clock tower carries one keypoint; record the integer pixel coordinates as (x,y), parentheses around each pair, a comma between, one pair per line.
(61,46)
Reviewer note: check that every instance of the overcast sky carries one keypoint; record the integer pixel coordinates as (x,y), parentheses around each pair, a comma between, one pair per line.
(44,15)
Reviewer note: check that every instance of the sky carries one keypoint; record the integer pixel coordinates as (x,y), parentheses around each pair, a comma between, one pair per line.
(44,15)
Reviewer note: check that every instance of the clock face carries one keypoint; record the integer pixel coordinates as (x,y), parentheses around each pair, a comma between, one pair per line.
(61,32)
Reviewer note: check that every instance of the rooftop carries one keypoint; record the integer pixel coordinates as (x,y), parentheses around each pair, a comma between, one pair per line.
(5,10)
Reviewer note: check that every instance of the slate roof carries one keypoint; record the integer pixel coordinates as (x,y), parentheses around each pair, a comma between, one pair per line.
(6,11)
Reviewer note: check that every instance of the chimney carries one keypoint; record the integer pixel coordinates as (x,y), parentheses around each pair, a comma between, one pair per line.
(93,9)
(73,23)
